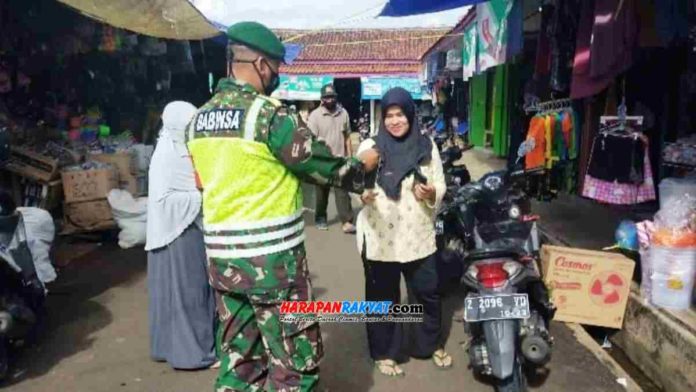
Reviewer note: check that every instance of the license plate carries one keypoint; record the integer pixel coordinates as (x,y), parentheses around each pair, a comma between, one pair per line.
(439,227)
(496,307)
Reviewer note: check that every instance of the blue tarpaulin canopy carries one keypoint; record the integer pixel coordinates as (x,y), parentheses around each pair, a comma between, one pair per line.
(416,7)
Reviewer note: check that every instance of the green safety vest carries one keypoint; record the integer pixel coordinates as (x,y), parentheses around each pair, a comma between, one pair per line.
(252,204)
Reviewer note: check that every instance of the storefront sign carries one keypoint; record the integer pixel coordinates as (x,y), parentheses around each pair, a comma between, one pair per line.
(492,31)
(301,87)
(469,55)
(375,87)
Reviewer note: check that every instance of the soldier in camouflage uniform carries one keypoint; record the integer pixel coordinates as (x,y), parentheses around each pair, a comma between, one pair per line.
(248,152)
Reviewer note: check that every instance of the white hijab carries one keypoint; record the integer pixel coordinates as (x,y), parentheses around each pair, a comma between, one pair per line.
(174,202)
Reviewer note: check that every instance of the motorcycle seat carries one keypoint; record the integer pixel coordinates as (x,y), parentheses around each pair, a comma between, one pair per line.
(485,254)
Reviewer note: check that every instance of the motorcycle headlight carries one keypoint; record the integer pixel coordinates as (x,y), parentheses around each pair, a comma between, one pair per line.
(514,212)
(472,272)
(512,268)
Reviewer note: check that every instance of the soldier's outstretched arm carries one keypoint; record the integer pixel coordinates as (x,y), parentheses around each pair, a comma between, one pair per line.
(309,158)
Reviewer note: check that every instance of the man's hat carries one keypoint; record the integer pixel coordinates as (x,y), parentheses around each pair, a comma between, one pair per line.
(258,37)
(328,91)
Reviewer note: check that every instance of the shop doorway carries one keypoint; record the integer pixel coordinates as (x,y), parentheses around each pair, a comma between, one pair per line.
(349,95)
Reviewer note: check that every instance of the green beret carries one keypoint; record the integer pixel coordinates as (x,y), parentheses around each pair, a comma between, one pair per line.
(258,37)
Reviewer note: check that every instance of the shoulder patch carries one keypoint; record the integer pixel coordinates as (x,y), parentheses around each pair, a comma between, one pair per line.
(218,120)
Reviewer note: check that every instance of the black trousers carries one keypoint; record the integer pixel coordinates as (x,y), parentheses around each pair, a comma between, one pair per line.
(382,283)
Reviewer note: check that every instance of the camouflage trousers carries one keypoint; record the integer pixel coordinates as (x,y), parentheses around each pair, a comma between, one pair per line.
(259,352)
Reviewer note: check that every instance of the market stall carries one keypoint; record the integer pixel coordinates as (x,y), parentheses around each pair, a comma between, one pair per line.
(80,102)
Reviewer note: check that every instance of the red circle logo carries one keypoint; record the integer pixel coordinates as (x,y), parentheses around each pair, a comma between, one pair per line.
(605,289)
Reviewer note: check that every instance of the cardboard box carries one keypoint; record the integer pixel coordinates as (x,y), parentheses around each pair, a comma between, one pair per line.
(87,185)
(89,215)
(47,196)
(124,162)
(32,165)
(587,287)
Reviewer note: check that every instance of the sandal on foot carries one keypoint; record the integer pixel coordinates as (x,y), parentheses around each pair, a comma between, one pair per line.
(389,368)
(442,360)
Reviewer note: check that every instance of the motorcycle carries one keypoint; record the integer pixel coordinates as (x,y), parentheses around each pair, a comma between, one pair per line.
(487,226)
(22,294)
(363,126)
(455,175)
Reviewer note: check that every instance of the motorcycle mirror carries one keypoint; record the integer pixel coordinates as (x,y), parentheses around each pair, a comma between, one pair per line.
(525,148)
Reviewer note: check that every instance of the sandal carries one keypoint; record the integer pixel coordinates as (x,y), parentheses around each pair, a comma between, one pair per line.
(442,360)
(389,368)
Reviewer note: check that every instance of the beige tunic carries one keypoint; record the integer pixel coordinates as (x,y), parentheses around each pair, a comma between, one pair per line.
(401,230)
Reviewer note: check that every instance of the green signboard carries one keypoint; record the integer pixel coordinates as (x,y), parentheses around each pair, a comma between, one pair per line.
(375,87)
(301,87)
(492,32)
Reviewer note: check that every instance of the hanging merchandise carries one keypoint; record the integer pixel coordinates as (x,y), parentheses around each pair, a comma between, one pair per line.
(180,57)
(551,136)
(562,35)
(150,46)
(552,148)
(619,171)
(110,41)
(606,37)
(542,64)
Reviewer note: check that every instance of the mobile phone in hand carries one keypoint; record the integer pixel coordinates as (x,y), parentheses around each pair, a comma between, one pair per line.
(420,178)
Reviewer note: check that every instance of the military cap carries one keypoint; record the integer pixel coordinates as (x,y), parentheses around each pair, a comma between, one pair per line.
(256,36)
(328,91)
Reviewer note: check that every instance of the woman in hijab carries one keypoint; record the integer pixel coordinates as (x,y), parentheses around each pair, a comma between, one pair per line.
(396,234)
(182,305)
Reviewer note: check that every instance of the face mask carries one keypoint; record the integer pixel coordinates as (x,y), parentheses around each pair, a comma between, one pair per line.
(272,84)
(330,105)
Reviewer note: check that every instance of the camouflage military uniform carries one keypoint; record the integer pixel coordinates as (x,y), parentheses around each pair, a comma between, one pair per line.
(259,352)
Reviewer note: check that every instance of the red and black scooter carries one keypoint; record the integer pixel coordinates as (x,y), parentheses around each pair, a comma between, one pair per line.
(486,227)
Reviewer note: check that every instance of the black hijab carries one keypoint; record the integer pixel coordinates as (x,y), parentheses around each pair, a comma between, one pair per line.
(400,156)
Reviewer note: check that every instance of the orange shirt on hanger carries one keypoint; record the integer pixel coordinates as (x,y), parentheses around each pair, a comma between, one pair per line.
(537,132)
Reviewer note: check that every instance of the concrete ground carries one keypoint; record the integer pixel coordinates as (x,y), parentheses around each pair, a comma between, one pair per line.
(97,336)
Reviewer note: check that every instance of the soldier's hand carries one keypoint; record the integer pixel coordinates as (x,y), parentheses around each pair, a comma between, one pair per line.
(369,159)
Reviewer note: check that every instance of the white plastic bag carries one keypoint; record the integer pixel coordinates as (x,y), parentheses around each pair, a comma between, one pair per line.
(672,276)
(40,231)
(131,216)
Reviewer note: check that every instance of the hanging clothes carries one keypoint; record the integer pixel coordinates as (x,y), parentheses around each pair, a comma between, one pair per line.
(555,141)
(562,34)
(617,158)
(607,35)
(537,135)
(622,194)
(542,65)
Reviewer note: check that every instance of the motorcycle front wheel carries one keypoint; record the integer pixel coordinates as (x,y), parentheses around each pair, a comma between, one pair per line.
(515,383)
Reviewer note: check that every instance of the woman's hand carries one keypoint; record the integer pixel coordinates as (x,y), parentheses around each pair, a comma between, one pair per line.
(368,197)
(424,192)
